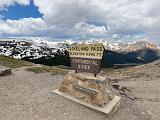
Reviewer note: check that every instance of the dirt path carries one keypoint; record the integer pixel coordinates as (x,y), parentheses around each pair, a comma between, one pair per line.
(25,95)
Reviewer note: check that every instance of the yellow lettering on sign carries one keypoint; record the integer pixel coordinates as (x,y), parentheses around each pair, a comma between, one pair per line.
(93,51)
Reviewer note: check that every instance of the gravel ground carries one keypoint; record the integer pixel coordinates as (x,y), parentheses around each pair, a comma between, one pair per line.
(25,95)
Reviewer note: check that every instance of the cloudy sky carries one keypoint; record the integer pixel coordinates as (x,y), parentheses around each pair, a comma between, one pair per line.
(126,20)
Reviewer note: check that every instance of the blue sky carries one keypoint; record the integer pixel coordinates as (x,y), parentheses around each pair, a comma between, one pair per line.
(17,11)
(115,20)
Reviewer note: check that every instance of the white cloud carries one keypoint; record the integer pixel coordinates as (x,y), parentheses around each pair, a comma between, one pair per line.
(122,16)
(73,17)
(86,30)
(5,3)
(25,27)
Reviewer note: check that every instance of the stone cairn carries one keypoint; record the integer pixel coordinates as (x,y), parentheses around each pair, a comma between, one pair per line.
(85,86)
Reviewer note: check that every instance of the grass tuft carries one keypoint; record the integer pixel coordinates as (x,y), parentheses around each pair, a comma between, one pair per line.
(13,63)
(47,69)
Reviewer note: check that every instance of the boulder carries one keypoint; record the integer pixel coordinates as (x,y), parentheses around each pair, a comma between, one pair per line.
(4,70)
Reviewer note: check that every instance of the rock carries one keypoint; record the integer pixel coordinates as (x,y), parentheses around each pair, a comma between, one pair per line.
(85,86)
(4,71)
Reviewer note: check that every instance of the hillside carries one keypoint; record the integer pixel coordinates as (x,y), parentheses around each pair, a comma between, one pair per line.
(13,63)
(148,71)
(146,54)
(111,57)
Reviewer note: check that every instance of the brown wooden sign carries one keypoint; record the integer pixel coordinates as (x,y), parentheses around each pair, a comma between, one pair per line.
(86,57)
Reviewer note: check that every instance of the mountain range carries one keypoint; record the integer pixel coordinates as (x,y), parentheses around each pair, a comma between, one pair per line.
(115,52)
